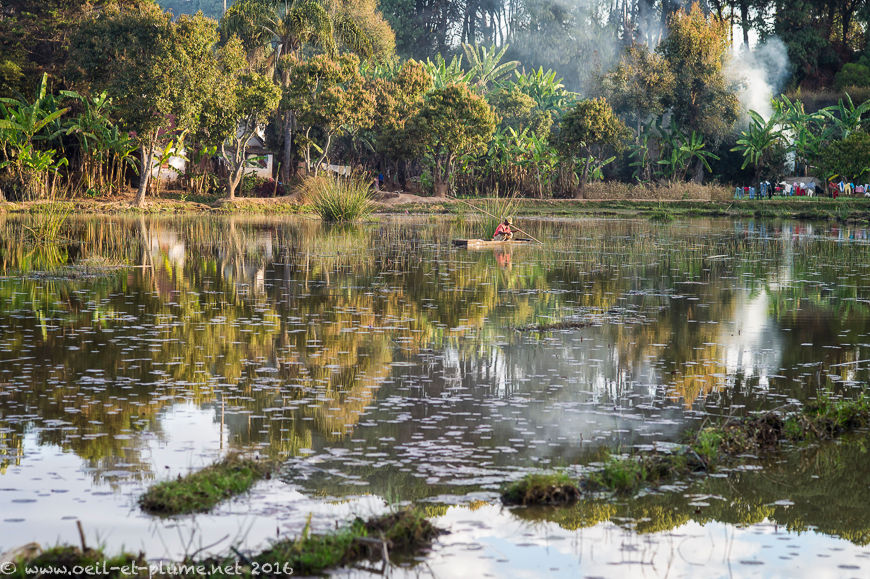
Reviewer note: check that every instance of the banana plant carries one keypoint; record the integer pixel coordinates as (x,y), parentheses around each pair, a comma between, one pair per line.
(845,118)
(545,89)
(21,124)
(758,141)
(486,67)
(446,73)
(805,132)
(639,151)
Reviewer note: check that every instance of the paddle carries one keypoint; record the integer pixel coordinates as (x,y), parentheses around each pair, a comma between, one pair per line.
(499,218)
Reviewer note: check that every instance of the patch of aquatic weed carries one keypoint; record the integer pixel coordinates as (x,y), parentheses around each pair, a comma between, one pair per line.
(708,448)
(556,488)
(395,535)
(90,268)
(563,325)
(202,490)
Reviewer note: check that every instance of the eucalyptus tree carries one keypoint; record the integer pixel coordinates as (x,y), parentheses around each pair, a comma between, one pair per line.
(276,30)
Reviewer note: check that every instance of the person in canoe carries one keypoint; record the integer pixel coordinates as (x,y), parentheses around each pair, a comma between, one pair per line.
(503,231)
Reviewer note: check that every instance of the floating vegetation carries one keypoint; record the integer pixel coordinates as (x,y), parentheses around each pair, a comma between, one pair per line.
(401,533)
(202,490)
(90,268)
(710,447)
(542,489)
(567,325)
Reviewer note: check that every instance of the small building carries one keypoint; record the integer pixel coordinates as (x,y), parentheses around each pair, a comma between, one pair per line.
(260,159)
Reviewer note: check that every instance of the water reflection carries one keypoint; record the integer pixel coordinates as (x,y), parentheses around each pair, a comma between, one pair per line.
(378,358)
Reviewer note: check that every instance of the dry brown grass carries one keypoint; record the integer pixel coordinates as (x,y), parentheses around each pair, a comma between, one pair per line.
(614,190)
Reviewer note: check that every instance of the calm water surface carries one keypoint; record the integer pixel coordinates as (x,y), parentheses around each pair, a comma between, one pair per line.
(380,365)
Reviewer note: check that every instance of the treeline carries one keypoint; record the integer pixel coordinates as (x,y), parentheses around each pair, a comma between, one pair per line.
(579,39)
(129,85)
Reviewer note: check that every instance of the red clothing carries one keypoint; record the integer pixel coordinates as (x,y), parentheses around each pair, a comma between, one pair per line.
(502,228)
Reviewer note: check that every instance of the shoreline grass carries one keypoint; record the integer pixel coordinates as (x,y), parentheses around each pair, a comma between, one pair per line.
(202,490)
(709,448)
(843,210)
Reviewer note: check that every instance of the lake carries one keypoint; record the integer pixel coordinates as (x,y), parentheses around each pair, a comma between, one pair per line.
(379,365)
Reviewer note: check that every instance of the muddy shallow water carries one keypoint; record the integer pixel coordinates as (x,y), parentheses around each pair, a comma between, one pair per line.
(378,365)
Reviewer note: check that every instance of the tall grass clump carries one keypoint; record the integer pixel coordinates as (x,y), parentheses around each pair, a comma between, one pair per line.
(339,199)
(48,222)
(498,209)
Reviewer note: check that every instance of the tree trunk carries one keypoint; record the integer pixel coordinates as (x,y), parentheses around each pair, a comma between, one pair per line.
(146,155)
(287,168)
(235,177)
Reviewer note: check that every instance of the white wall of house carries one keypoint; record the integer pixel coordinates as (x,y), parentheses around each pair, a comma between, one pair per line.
(259,165)
(172,170)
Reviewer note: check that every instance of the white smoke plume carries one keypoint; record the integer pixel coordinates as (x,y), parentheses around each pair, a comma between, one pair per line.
(760,72)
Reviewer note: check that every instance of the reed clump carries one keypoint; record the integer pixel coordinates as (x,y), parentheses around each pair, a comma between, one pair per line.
(48,222)
(338,199)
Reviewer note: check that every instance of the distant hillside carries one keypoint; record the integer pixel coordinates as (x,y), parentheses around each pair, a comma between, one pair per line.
(211,8)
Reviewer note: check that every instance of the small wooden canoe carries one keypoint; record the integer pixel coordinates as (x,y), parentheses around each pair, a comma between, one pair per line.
(485,243)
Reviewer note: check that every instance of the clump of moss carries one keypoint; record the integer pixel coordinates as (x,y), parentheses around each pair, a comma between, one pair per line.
(401,533)
(202,490)
(542,489)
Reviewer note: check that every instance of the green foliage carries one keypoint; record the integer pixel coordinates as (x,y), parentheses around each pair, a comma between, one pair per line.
(406,532)
(48,223)
(541,489)
(451,123)
(707,444)
(69,558)
(339,199)
(545,89)
(33,170)
(854,74)
(485,65)
(202,490)
(495,210)
(848,158)
(152,68)
(588,131)
(620,475)
(329,96)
